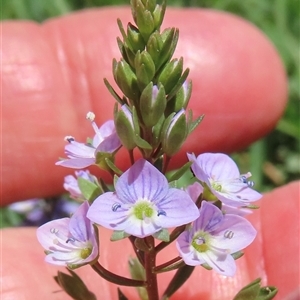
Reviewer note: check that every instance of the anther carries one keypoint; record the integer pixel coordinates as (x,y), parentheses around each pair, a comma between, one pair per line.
(90,116)
(250,183)
(228,234)
(70,240)
(54,230)
(69,138)
(115,206)
(161,213)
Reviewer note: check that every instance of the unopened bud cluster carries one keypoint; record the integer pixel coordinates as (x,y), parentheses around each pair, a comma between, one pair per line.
(155,89)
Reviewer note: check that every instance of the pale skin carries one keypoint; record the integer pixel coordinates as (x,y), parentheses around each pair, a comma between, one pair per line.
(52,75)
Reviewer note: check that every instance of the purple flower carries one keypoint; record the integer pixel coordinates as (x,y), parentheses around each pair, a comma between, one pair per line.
(71,241)
(81,155)
(221,175)
(195,189)
(71,183)
(143,203)
(213,237)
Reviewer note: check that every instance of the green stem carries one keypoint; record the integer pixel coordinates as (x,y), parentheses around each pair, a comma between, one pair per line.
(151,277)
(173,264)
(114,278)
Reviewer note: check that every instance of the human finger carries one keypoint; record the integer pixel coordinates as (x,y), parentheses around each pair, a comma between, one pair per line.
(52,75)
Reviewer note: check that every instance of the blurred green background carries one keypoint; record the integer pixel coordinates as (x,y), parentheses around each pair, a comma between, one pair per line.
(273,160)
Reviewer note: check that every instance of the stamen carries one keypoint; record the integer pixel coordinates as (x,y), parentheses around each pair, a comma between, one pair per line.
(71,239)
(228,234)
(250,183)
(90,116)
(69,139)
(115,206)
(244,177)
(161,213)
(54,230)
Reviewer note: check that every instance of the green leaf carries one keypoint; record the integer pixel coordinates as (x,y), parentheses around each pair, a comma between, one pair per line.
(180,277)
(180,172)
(113,166)
(267,293)
(74,286)
(113,92)
(121,296)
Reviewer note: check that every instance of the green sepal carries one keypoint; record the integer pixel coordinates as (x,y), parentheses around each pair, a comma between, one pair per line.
(124,126)
(74,286)
(192,125)
(169,38)
(251,206)
(116,178)
(135,38)
(180,277)
(121,296)
(137,272)
(143,18)
(113,167)
(173,184)
(237,255)
(101,158)
(174,133)
(126,79)
(127,54)
(180,172)
(158,14)
(162,235)
(113,92)
(170,74)
(156,132)
(179,84)
(141,143)
(89,190)
(118,235)
(152,104)
(181,99)
(145,68)
(206,266)
(253,291)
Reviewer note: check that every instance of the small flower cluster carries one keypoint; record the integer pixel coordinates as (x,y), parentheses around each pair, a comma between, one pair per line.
(206,218)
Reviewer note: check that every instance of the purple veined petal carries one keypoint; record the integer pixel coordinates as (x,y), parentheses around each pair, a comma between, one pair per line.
(221,262)
(104,131)
(80,226)
(218,166)
(46,237)
(101,212)
(76,163)
(109,144)
(199,173)
(194,190)
(234,233)
(178,207)
(79,150)
(210,217)
(142,181)
(71,185)
(243,198)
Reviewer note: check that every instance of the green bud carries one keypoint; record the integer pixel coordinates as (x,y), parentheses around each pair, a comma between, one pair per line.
(143,18)
(145,68)
(158,14)
(135,38)
(124,126)
(126,79)
(171,74)
(174,132)
(156,132)
(181,99)
(154,46)
(152,104)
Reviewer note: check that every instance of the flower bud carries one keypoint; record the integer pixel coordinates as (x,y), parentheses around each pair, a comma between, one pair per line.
(174,133)
(135,38)
(126,79)
(145,68)
(124,127)
(143,18)
(154,46)
(152,104)
(171,74)
(158,14)
(181,99)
